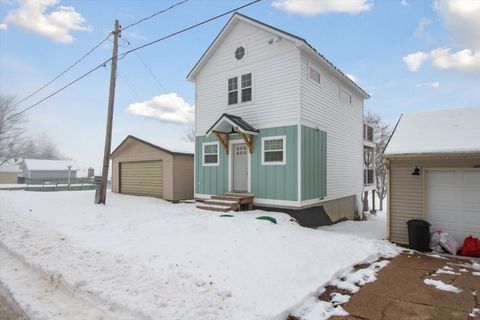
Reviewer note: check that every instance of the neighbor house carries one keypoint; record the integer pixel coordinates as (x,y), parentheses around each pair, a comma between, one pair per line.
(274,118)
(42,169)
(433,161)
(143,168)
(9,173)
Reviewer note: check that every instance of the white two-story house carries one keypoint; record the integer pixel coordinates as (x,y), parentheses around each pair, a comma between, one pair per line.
(276,119)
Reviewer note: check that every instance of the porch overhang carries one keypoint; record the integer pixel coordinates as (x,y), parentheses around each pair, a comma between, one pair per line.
(229,124)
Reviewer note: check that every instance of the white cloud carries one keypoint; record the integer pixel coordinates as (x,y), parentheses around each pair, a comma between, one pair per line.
(421,31)
(352,77)
(404,2)
(56,25)
(415,60)
(465,60)
(314,7)
(461,18)
(3,26)
(166,107)
(433,85)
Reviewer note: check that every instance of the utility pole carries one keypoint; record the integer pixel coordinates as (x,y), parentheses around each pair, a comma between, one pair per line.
(111,100)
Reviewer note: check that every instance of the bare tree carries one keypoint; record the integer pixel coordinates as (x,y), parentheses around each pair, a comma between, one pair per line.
(189,131)
(12,132)
(42,148)
(382,133)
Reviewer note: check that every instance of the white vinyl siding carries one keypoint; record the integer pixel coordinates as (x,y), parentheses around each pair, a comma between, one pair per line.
(322,108)
(345,96)
(313,74)
(275,80)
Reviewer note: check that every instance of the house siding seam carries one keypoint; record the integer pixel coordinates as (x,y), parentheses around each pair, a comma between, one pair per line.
(322,108)
(276,182)
(314,163)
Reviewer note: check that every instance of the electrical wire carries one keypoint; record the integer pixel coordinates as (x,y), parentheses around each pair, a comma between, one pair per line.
(63,72)
(187,29)
(121,56)
(155,14)
(103,64)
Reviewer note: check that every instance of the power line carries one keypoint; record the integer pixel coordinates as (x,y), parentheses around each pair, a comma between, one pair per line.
(61,89)
(65,71)
(155,78)
(186,29)
(155,14)
(123,55)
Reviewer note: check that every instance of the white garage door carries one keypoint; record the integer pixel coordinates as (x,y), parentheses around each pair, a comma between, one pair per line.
(453,202)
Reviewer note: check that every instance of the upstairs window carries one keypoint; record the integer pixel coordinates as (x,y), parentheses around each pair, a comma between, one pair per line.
(247,87)
(345,96)
(244,94)
(232,91)
(273,150)
(314,75)
(210,154)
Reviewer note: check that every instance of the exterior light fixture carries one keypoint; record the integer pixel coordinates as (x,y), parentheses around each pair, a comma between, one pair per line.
(416,171)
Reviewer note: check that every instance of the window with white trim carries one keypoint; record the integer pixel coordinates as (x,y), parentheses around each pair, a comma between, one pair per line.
(345,96)
(210,154)
(232,91)
(313,75)
(242,94)
(273,150)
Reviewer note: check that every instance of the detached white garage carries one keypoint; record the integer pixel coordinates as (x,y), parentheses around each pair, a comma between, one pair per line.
(433,161)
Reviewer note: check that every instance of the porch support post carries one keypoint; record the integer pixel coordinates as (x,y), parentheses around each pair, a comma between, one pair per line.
(248,141)
(223,141)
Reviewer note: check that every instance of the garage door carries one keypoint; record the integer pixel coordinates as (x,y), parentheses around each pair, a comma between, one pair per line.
(453,202)
(144,178)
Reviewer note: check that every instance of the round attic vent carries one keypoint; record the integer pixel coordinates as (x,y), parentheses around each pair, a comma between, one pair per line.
(239,53)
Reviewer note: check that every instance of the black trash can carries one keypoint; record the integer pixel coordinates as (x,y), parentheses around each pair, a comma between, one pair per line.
(419,235)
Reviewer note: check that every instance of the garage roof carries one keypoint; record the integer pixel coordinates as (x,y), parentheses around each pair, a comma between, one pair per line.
(443,131)
(172,147)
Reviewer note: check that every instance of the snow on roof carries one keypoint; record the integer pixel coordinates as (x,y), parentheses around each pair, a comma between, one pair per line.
(8,167)
(443,131)
(50,165)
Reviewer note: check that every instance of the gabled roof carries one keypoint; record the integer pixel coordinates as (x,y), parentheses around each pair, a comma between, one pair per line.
(236,122)
(449,131)
(50,165)
(185,148)
(301,43)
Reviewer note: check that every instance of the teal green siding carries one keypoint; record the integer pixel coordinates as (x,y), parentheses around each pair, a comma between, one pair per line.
(314,163)
(210,179)
(277,182)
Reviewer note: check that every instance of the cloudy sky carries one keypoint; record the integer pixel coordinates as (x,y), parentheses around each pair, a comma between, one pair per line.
(409,55)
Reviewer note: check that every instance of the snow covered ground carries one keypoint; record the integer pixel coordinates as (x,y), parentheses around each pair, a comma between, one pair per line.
(374,228)
(64,257)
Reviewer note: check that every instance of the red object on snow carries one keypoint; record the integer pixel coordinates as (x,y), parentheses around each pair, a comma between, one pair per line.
(471,247)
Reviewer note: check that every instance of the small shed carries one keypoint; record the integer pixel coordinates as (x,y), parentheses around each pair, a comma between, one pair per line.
(140,167)
(9,173)
(433,161)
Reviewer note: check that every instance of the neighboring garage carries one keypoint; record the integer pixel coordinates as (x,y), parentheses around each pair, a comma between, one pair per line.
(146,169)
(433,161)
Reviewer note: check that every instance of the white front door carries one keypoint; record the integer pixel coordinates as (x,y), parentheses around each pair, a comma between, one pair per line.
(453,202)
(240,167)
